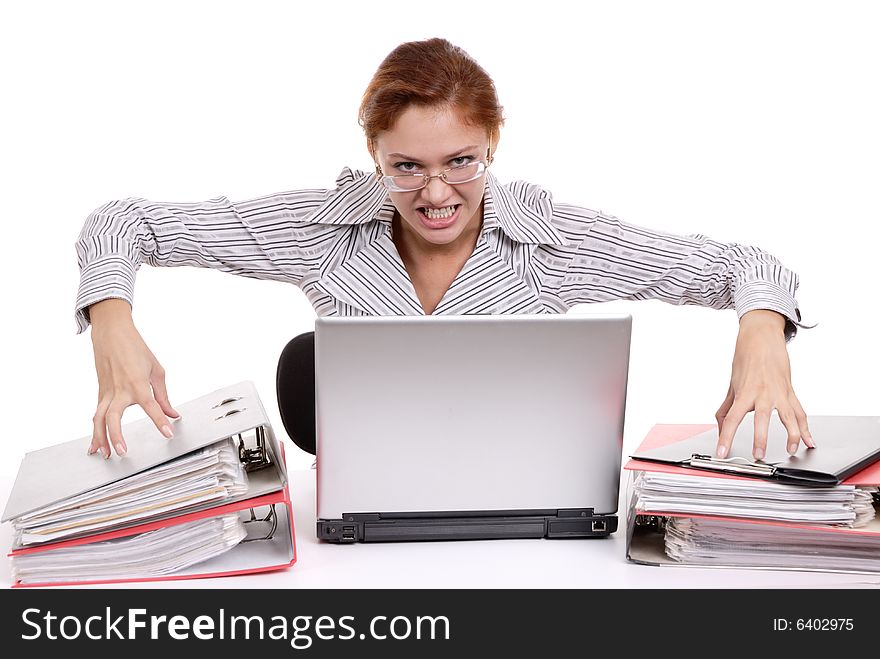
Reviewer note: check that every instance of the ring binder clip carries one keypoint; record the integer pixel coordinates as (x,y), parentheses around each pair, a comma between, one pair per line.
(653,522)
(226,401)
(256,457)
(230,413)
(734,464)
(270,517)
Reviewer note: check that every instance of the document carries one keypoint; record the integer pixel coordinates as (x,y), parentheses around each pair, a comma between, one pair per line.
(682,515)
(210,474)
(151,554)
(714,542)
(842,505)
(211,501)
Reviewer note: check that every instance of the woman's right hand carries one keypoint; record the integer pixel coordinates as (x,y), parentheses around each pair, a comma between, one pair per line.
(128,374)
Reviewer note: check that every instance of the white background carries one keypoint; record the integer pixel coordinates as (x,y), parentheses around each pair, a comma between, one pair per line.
(753,122)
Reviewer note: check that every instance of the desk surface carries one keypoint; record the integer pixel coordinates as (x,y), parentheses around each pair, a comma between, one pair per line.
(587,563)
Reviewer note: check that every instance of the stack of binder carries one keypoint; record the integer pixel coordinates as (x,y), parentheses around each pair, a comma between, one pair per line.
(212,501)
(815,510)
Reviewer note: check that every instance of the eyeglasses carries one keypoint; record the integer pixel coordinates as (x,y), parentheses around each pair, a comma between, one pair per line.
(412,182)
(453,176)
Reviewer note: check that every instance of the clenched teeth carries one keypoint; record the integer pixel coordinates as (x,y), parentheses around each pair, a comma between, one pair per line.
(439,213)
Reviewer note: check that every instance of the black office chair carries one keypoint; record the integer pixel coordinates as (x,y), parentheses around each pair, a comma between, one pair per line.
(295,387)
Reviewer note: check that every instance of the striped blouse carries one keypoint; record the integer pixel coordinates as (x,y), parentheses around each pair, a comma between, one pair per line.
(533,255)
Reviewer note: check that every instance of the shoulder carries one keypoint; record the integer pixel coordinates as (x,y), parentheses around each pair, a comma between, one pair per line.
(357,198)
(525,206)
(352,189)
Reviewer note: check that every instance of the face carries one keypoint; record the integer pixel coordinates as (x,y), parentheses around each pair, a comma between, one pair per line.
(427,141)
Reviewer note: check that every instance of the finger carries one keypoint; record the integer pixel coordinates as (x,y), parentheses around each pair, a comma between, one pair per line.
(728,429)
(114,426)
(161,394)
(762,425)
(99,432)
(724,409)
(803,423)
(151,407)
(789,420)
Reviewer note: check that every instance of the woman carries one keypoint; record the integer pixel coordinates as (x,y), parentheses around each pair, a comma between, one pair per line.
(432,232)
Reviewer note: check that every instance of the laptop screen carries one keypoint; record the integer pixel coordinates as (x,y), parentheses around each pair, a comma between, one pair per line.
(470,413)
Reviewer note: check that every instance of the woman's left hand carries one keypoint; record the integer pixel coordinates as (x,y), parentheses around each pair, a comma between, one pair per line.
(761,381)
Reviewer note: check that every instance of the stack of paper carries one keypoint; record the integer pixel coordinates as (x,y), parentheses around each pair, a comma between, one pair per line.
(144,556)
(815,510)
(842,505)
(168,509)
(704,541)
(211,474)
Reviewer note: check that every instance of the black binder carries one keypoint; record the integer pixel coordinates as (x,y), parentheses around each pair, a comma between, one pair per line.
(844,446)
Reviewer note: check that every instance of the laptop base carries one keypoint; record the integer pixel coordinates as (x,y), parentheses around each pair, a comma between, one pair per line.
(408,527)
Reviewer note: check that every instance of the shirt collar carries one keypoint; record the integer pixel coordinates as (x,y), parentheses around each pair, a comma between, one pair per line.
(524,212)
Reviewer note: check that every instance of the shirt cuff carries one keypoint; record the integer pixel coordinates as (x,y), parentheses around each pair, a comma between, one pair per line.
(767,295)
(110,276)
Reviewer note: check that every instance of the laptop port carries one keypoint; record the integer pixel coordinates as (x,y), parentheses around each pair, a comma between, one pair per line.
(348,533)
(599,525)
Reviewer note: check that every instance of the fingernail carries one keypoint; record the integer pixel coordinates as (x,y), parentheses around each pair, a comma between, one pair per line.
(792,448)
(722,451)
(120,450)
(104,452)
(759,453)
(92,450)
(166,430)
(809,440)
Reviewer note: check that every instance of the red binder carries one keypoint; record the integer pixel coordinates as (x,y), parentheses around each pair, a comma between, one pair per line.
(238,560)
(645,544)
(64,473)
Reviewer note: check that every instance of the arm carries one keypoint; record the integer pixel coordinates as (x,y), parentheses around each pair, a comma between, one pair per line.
(251,238)
(257,238)
(617,260)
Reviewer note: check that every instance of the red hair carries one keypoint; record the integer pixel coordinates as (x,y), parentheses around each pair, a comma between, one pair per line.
(432,73)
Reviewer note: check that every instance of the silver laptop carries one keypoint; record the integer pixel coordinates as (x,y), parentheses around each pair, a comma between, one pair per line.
(469,427)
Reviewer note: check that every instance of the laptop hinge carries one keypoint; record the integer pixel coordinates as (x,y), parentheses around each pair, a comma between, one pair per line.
(361,517)
(575,512)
